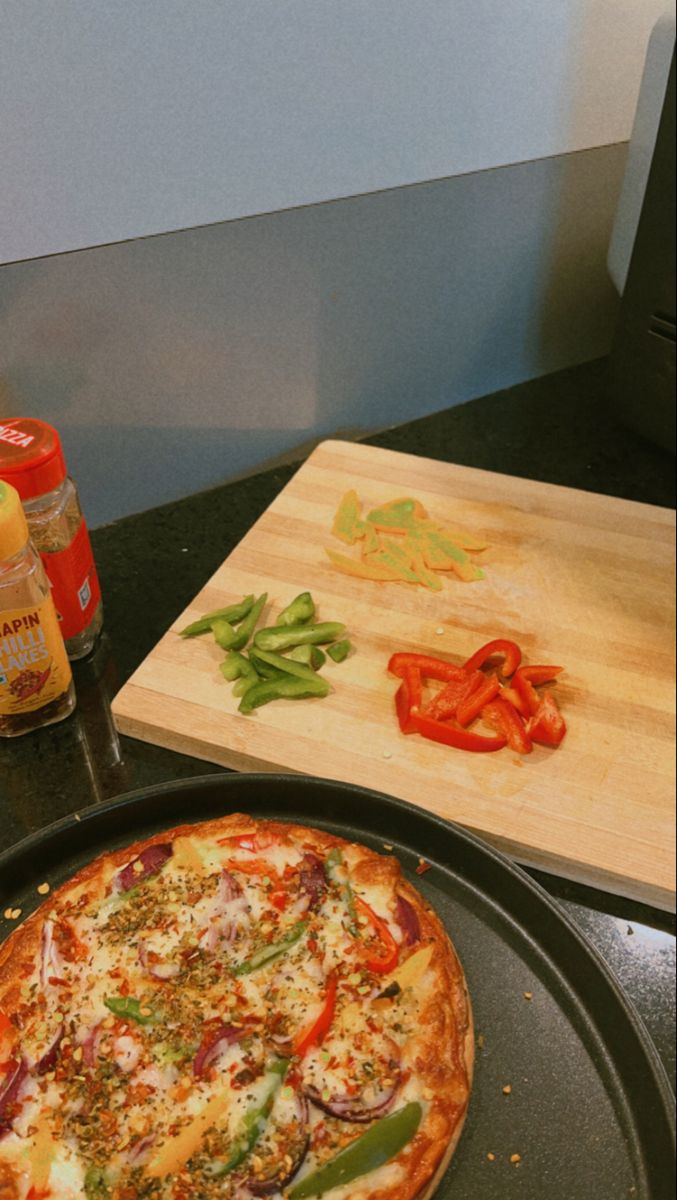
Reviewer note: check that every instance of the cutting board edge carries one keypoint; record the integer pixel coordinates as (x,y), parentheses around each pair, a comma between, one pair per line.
(156,735)
(653,895)
(600,878)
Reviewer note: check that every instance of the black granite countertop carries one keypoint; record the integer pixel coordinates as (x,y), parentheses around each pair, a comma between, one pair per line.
(560,429)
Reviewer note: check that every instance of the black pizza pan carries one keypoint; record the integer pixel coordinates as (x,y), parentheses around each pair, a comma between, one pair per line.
(588,1108)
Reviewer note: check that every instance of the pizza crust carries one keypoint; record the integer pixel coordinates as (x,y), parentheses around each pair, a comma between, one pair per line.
(444,1058)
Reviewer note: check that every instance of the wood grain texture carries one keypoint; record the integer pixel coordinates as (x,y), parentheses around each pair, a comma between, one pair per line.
(578,579)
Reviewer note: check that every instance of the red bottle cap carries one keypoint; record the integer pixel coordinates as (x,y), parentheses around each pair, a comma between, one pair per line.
(31,458)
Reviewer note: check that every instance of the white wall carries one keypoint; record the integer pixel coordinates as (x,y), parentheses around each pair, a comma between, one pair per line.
(172,363)
(121,118)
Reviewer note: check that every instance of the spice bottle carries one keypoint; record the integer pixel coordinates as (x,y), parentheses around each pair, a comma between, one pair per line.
(32,460)
(36,681)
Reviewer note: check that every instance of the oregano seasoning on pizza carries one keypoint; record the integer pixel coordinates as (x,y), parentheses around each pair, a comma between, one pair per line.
(229,1010)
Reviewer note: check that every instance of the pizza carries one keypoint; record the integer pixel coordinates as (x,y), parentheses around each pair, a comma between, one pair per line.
(228,1010)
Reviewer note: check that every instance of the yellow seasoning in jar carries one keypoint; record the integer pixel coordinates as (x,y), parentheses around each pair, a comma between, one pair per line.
(36,682)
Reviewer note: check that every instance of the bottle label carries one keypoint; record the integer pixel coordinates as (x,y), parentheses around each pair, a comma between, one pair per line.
(75,583)
(34,666)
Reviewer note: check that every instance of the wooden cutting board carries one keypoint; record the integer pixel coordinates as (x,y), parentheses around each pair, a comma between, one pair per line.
(577,579)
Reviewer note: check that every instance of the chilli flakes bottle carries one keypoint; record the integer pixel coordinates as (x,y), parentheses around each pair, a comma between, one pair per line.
(36,682)
(32,460)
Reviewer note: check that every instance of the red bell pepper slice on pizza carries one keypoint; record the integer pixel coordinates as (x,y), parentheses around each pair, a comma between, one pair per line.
(315,1033)
(252,866)
(6,1027)
(381,964)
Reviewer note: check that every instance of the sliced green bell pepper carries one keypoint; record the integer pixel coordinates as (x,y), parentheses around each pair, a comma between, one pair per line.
(237,666)
(283,687)
(130,1009)
(262,668)
(268,954)
(335,859)
(281,663)
(282,637)
(254,1121)
(96,1184)
(312,656)
(233,613)
(236,639)
(381,1142)
(339,650)
(225,634)
(301,610)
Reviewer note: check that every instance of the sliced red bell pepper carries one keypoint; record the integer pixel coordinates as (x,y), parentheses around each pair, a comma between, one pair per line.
(526,677)
(506,720)
(509,650)
(472,705)
(255,866)
(250,841)
(513,697)
(547,725)
(429,667)
(407,697)
(380,964)
(451,734)
(316,1033)
(540,674)
(444,704)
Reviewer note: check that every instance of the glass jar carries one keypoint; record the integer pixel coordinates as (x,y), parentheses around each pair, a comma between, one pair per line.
(31,459)
(36,682)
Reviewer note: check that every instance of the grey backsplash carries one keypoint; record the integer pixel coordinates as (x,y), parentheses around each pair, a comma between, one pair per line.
(173,363)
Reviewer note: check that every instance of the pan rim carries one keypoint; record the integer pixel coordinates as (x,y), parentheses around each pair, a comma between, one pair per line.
(93,815)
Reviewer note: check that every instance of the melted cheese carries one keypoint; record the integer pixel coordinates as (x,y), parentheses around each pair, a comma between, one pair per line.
(187,856)
(41,1151)
(51,1168)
